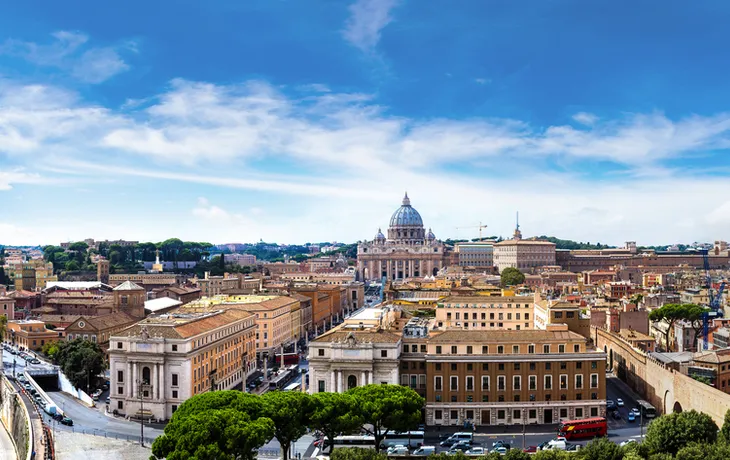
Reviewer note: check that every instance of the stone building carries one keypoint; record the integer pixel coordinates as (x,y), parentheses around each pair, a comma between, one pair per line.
(408,251)
(524,255)
(164,360)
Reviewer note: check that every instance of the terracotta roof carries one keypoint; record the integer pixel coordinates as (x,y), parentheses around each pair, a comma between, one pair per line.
(299,297)
(107,321)
(459,336)
(180,290)
(44,309)
(714,357)
(21,294)
(59,318)
(487,299)
(183,326)
(367,336)
(129,286)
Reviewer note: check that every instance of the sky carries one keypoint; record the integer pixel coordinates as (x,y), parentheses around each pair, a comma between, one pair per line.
(307,120)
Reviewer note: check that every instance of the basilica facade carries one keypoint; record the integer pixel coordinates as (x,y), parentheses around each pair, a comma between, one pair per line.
(408,251)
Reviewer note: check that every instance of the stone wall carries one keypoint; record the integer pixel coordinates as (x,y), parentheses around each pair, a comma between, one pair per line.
(665,388)
(14,416)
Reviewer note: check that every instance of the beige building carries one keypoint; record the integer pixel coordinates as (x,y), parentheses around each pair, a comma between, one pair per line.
(408,251)
(164,360)
(524,255)
(485,312)
(478,254)
(513,377)
(273,316)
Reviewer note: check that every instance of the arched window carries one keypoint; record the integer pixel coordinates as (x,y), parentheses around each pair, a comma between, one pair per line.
(351,382)
(146,375)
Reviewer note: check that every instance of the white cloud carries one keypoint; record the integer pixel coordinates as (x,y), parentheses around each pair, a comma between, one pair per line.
(585,118)
(367,20)
(18,176)
(94,65)
(482,81)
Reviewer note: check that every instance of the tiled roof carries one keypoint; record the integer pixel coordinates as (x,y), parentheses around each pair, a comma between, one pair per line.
(183,326)
(129,286)
(458,336)
(59,318)
(109,321)
(487,299)
(299,297)
(367,336)
(21,294)
(714,357)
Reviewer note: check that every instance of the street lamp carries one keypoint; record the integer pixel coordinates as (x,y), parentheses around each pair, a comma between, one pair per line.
(141,413)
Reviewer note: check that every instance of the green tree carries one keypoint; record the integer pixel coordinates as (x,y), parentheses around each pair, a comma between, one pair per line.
(72,265)
(698,451)
(601,449)
(290,411)
(669,433)
(81,361)
(50,349)
(514,454)
(3,325)
(335,414)
(215,425)
(386,408)
(695,315)
(725,430)
(553,455)
(511,277)
(78,246)
(356,453)
(669,313)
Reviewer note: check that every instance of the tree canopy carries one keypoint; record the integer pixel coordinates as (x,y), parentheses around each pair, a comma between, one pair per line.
(290,411)
(511,277)
(672,312)
(670,433)
(335,414)
(81,361)
(386,408)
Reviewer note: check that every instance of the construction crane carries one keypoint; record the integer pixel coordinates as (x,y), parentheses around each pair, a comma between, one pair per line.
(714,300)
(480,227)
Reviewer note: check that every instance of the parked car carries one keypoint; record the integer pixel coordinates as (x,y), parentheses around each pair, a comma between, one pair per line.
(501,450)
(635,410)
(530,449)
(35,361)
(501,443)
(57,416)
(620,402)
(424,451)
(461,445)
(108,399)
(67,421)
(475,451)
(457,437)
(611,405)
(631,417)
(398,450)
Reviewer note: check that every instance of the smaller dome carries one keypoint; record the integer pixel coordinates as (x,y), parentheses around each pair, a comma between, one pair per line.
(430,235)
(379,235)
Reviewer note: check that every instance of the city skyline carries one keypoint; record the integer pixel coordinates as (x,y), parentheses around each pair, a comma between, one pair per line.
(307,121)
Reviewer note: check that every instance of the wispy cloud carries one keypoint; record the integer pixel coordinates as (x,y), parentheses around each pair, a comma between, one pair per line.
(585,118)
(482,81)
(66,52)
(367,19)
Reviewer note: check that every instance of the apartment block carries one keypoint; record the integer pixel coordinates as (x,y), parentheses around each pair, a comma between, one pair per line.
(482,312)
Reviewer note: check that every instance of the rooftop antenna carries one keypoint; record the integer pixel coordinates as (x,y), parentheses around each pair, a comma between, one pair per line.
(518,233)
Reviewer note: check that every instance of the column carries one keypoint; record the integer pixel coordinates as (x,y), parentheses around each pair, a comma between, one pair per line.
(332,381)
(364,378)
(340,386)
(411,266)
(370,377)
(129,383)
(134,380)
(156,388)
(163,393)
(389,269)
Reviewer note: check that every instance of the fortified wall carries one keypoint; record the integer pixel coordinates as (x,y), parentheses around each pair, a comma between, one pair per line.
(16,419)
(665,388)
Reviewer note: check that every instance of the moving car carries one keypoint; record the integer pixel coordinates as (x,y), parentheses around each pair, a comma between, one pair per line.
(501,443)
(424,451)
(620,402)
(631,417)
(461,445)
(67,421)
(475,451)
(501,450)
(457,437)
(108,399)
(611,405)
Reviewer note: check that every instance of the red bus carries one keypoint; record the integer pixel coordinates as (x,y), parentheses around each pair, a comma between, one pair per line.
(585,428)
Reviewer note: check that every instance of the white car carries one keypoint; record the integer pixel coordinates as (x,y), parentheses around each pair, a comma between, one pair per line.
(620,402)
(475,451)
(398,450)
(501,450)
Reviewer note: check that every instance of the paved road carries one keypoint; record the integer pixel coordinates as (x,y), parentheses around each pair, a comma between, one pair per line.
(7,450)
(93,421)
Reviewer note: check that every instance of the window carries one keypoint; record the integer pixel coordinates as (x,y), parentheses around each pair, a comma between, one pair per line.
(548,366)
(558,314)
(570,314)
(453,398)
(485,398)
(469,366)
(594,412)
(423,348)
(531,349)
(438,366)
(563,413)
(174,394)
(546,349)
(579,396)
(561,348)
(438,395)
(438,414)
(120,405)
(469,383)
(563,365)
(515,349)
(516,382)
(516,414)
(500,414)
(414,348)
(320,386)
(500,366)
(384,353)
(438,349)
(532,366)
(594,364)
(579,365)
(578,381)
(453,366)
(174,348)
(578,412)
(174,408)
(120,376)
(533,382)
(517,366)
(485,382)
(485,349)
(563,382)
(500,349)
(454,383)
(437,383)
(485,366)
(500,382)
(119,344)
(320,352)
(576,348)
(453,349)
(594,380)
(563,397)
(548,382)
(120,390)
(469,350)
(594,395)
(527,315)
(500,398)
(491,316)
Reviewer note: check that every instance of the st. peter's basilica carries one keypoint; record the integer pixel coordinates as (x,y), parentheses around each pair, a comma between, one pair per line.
(408,251)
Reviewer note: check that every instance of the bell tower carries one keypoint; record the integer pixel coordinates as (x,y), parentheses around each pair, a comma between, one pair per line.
(129,298)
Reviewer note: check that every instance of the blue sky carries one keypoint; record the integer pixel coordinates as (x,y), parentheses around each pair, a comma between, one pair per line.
(306,120)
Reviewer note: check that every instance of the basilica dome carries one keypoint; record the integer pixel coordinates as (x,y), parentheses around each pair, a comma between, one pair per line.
(406,215)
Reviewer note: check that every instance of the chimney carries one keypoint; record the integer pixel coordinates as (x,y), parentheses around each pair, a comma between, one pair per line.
(362,326)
